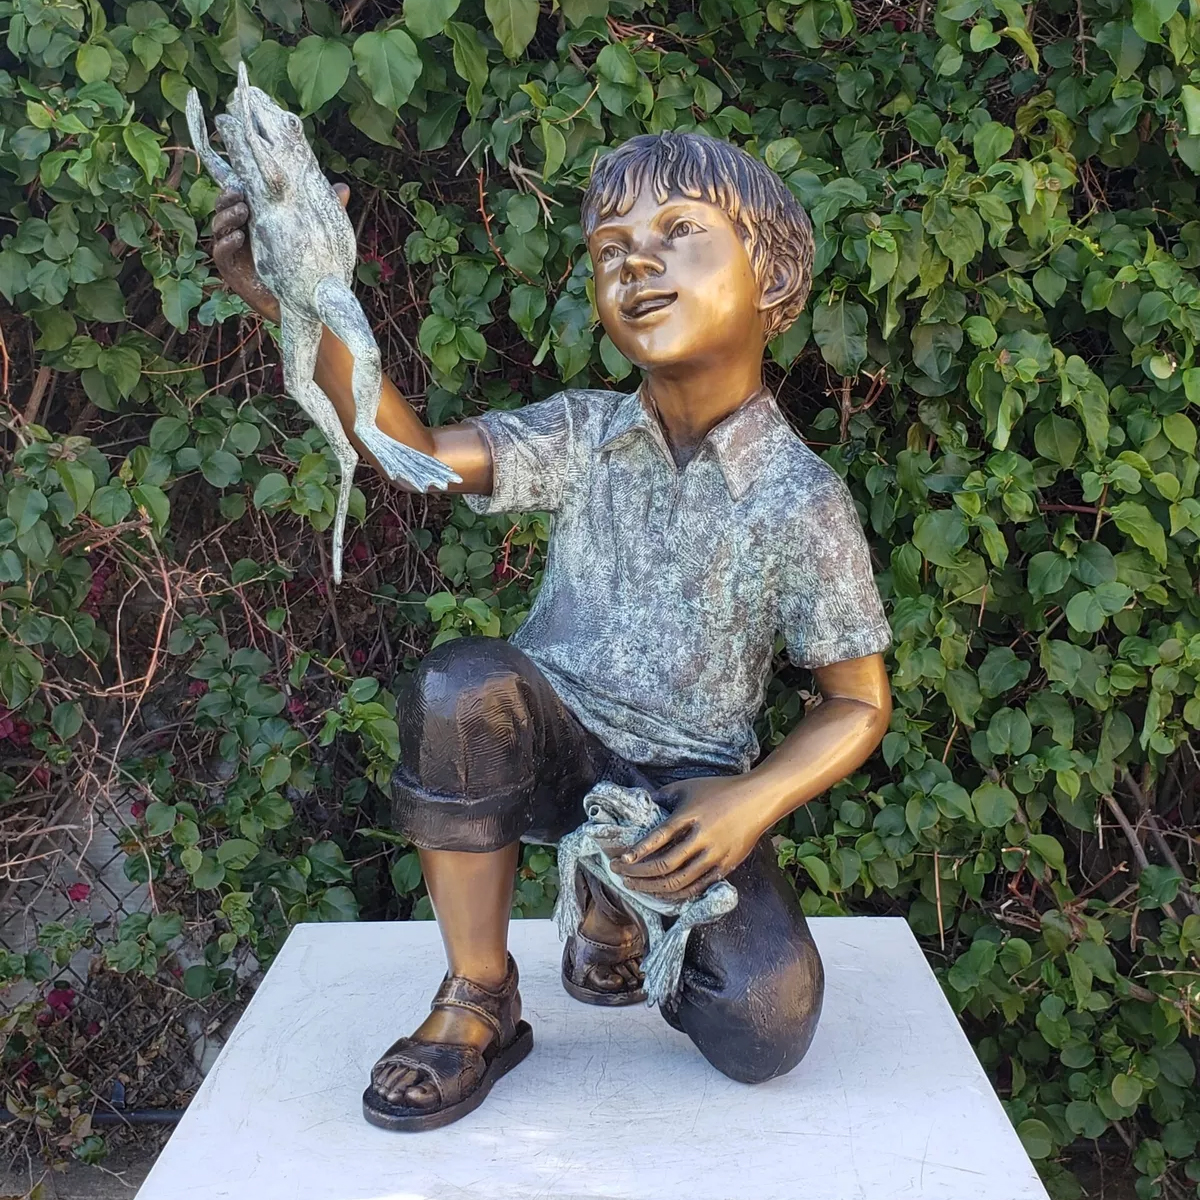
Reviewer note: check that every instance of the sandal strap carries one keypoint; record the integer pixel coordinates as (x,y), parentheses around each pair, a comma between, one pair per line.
(493,1007)
(451,1069)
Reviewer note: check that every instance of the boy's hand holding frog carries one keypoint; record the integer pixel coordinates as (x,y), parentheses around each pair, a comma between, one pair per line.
(231,250)
(716,820)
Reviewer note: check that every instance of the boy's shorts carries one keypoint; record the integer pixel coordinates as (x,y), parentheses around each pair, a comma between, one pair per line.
(490,755)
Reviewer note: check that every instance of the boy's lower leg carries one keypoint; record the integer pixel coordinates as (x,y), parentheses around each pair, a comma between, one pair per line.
(472,899)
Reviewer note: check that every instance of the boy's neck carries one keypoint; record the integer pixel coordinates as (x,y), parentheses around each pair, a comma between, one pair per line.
(690,403)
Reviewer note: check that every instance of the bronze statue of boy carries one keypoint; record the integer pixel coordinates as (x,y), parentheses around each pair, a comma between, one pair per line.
(691,526)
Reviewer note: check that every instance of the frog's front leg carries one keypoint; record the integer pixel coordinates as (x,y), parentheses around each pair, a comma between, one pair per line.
(339,308)
(300,339)
(566,911)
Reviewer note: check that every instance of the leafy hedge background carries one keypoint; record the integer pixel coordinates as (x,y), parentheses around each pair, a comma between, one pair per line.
(999,356)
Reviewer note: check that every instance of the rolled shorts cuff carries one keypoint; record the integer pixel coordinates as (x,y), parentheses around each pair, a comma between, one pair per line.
(434,821)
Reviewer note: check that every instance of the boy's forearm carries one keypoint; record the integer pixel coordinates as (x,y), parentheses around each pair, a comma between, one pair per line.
(833,740)
(460,447)
(335,377)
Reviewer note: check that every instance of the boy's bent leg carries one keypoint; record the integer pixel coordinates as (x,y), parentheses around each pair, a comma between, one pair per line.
(489,754)
(752,982)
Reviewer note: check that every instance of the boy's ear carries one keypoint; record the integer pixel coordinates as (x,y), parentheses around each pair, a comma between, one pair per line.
(783,280)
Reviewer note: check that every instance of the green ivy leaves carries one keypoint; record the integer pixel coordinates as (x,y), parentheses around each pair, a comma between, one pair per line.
(840,329)
(318,68)
(389,65)
(513,22)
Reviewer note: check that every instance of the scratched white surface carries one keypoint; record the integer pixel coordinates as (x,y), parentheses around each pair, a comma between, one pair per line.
(611,1105)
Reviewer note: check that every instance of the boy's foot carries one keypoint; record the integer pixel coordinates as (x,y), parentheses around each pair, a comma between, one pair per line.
(602,962)
(473,1036)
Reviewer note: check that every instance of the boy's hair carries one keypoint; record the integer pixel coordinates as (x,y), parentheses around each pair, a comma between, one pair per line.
(775,229)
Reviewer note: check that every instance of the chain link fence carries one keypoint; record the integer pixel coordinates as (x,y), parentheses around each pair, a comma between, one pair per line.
(118,1054)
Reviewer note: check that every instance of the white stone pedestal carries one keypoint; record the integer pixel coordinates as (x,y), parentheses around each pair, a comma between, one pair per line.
(612,1104)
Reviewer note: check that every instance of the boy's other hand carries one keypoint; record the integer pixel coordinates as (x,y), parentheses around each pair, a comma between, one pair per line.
(711,831)
(231,250)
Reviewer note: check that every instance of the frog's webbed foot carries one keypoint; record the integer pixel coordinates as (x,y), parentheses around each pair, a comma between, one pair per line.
(338,307)
(300,339)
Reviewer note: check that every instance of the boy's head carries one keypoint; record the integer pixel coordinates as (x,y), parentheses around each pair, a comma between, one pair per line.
(698,249)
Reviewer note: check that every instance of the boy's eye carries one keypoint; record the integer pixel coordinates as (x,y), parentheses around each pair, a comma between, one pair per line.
(610,252)
(684,229)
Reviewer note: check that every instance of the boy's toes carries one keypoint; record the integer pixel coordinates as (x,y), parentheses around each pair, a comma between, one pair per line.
(391,1079)
(420,1095)
(403,1085)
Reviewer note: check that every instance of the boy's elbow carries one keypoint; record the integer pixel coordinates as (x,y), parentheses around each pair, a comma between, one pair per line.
(879,698)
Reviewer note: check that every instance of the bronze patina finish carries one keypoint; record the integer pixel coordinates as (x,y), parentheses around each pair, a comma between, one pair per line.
(700,256)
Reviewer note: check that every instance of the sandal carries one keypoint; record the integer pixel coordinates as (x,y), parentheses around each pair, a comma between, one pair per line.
(584,959)
(462,1075)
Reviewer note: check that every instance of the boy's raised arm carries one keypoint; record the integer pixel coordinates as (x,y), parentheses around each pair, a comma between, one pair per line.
(463,448)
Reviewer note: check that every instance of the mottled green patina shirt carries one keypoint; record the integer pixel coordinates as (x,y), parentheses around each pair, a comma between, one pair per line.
(665,589)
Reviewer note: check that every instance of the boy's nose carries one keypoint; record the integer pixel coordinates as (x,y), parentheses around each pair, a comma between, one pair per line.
(639,264)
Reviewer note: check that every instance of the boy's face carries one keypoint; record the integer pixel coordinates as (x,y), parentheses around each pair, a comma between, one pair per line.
(674,285)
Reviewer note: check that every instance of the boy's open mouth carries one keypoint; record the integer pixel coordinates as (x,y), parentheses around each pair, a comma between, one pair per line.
(647,303)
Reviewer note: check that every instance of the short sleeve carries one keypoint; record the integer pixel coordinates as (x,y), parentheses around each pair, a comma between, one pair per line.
(830,608)
(531,450)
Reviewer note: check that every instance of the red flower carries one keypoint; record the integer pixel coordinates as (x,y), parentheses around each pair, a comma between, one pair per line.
(7,724)
(137,809)
(358,657)
(41,775)
(197,687)
(296,706)
(79,891)
(93,1028)
(360,553)
(61,1000)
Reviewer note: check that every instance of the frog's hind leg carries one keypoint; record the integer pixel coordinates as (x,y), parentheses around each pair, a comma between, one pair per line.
(664,964)
(567,915)
(338,307)
(301,339)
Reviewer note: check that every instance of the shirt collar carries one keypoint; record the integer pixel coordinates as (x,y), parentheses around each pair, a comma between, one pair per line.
(741,443)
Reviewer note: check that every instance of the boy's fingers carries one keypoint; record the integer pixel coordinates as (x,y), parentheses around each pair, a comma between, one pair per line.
(678,885)
(229,196)
(697,887)
(229,243)
(228,219)
(343,193)
(655,840)
(663,862)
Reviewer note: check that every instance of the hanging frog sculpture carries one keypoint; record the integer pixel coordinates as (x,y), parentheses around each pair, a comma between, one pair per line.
(304,250)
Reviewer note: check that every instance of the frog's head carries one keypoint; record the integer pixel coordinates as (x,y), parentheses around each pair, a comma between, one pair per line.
(609,804)
(266,143)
